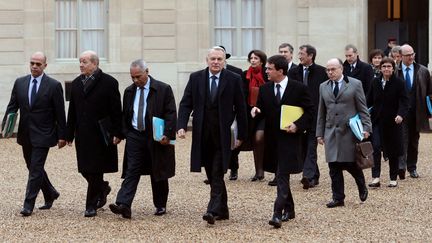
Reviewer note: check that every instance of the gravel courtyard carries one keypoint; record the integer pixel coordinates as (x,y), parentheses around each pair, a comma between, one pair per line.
(402,214)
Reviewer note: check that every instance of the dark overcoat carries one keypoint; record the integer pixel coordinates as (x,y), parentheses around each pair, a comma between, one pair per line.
(161,104)
(362,71)
(386,104)
(101,100)
(231,104)
(284,150)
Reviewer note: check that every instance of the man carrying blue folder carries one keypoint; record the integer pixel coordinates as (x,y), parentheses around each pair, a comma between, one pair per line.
(39,99)
(145,99)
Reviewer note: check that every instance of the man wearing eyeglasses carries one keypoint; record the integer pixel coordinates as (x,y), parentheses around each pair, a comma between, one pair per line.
(418,83)
(39,99)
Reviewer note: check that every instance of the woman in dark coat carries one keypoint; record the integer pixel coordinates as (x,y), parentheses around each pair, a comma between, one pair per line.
(389,101)
(253,78)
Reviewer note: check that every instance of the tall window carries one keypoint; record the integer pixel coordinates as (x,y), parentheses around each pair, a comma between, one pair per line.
(238,25)
(80,26)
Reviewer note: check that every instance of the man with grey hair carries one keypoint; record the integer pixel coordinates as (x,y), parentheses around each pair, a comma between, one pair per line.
(354,67)
(396,54)
(94,121)
(286,50)
(215,97)
(145,99)
(419,85)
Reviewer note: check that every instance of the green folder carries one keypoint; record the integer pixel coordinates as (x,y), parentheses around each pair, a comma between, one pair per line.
(9,125)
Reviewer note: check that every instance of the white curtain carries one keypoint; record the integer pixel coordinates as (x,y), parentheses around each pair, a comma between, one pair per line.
(75,35)
(66,28)
(224,25)
(92,22)
(252,26)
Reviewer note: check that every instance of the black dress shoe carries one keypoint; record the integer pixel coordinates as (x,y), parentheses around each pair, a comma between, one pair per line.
(287,216)
(414,174)
(376,184)
(103,198)
(90,213)
(209,217)
(401,174)
(221,217)
(233,175)
(122,209)
(305,182)
(335,203)
(273,182)
(160,211)
(275,222)
(26,212)
(257,178)
(206,181)
(48,203)
(363,194)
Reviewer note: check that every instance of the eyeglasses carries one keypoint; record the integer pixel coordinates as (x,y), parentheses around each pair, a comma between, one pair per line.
(386,66)
(409,55)
(36,63)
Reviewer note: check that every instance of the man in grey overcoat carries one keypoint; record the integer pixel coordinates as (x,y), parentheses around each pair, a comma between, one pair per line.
(341,98)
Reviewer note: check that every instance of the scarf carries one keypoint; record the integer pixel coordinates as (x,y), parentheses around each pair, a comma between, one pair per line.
(256,79)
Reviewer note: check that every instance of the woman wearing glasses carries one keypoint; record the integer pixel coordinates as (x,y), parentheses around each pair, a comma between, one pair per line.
(389,101)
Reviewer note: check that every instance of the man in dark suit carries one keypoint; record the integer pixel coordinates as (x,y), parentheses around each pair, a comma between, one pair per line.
(353,67)
(39,99)
(215,97)
(311,75)
(419,85)
(94,121)
(284,147)
(144,99)
(286,50)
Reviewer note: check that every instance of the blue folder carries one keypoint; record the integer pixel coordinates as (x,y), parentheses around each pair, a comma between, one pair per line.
(356,126)
(158,129)
(428,103)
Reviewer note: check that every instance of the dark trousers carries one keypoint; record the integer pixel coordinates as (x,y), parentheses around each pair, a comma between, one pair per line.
(284,200)
(310,167)
(410,141)
(213,164)
(234,163)
(95,188)
(337,179)
(377,147)
(37,178)
(138,160)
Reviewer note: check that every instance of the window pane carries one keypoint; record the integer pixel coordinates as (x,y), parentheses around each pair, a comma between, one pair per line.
(252,39)
(66,14)
(251,13)
(94,40)
(92,14)
(224,24)
(66,44)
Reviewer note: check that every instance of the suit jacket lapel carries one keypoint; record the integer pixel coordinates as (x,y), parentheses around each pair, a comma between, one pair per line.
(42,87)
(286,93)
(202,85)
(222,83)
(344,86)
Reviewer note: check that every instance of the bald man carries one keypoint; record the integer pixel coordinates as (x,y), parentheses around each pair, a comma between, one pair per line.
(40,102)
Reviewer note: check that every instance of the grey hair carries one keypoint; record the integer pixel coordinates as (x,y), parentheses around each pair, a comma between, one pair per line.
(93,56)
(396,49)
(351,46)
(216,48)
(139,63)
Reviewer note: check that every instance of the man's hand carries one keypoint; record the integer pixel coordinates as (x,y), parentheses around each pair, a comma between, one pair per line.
(255,111)
(238,143)
(116,140)
(320,140)
(366,135)
(291,128)
(181,133)
(398,119)
(164,140)
(61,143)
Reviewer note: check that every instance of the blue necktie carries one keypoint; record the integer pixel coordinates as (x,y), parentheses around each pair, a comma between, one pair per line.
(306,76)
(408,79)
(336,89)
(213,88)
(33,92)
